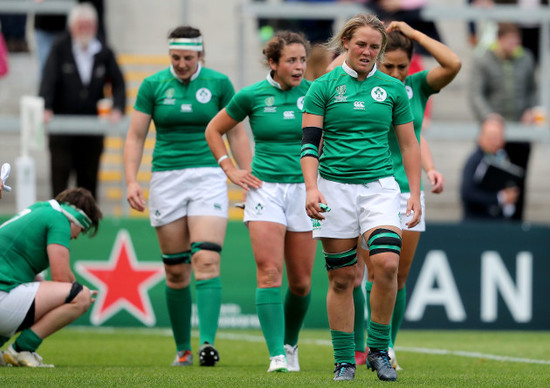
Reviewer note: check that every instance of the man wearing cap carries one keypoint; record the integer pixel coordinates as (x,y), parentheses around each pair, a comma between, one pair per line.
(34,240)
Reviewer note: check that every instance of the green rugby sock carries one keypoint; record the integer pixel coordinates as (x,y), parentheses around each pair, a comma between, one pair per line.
(28,341)
(368,288)
(269,306)
(179,311)
(359,324)
(378,336)
(209,302)
(398,314)
(295,311)
(342,344)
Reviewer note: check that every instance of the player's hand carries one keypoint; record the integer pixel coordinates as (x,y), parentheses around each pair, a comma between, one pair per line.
(243,178)
(403,27)
(94,294)
(313,199)
(414,208)
(134,195)
(436,180)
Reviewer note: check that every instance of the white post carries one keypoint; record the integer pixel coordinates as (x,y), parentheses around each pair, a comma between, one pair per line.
(32,136)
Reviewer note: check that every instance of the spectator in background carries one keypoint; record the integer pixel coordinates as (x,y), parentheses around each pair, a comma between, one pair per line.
(502,85)
(49,27)
(481,203)
(77,72)
(13,28)
(530,31)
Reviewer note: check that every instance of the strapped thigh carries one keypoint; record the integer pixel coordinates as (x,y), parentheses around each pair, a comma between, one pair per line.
(384,240)
(340,260)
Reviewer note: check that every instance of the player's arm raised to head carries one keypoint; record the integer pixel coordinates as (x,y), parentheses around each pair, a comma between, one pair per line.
(449,63)
(60,267)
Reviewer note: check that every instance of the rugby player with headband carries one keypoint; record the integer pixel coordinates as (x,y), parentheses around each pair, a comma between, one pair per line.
(35,240)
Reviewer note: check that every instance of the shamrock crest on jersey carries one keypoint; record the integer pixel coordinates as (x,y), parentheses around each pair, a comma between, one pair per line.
(410,92)
(300,102)
(203,95)
(379,94)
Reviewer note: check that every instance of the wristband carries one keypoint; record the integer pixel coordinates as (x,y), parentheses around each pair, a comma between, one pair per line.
(222,158)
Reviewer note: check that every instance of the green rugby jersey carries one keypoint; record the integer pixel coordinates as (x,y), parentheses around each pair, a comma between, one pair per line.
(275,117)
(181,113)
(419,92)
(24,240)
(357,118)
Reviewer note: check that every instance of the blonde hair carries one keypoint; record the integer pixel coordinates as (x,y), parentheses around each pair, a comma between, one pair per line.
(336,43)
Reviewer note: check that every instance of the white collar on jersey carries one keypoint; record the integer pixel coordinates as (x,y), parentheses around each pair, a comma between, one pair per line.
(193,77)
(353,73)
(272,82)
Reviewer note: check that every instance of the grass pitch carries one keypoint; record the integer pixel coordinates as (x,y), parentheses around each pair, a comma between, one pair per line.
(141,358)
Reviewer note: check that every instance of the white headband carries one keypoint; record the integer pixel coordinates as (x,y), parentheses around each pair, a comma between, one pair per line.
(193,44)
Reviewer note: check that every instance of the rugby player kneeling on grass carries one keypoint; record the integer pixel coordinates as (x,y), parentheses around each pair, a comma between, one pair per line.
(34,240)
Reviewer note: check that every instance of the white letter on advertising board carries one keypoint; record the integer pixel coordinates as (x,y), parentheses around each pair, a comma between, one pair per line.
(436,269)
(495,278)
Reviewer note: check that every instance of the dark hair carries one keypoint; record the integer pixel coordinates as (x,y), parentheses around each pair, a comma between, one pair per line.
(84,200)
(398,41)
(275,45)
(184,32)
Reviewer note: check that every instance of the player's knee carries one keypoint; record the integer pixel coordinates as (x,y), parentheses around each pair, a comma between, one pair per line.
(301,287)
(206,258)
(80,297)
(269,276)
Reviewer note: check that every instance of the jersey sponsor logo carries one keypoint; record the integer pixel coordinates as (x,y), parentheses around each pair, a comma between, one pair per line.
(341,90)
(170,100)
(186,108)
(410,92)
(203,95)
(379,94)
(300,102)
(359,105)
(269,101)
(289,115)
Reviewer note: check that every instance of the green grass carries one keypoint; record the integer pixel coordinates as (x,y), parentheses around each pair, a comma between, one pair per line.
(140,358)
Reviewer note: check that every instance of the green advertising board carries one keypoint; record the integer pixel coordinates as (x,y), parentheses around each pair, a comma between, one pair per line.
(123,263)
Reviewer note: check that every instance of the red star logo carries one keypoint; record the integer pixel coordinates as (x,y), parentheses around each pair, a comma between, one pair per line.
(122,282)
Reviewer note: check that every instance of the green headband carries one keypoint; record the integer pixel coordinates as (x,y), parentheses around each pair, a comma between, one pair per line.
(77,216)
(193,44)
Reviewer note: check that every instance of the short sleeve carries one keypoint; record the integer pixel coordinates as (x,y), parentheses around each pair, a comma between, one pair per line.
(145,100)
(315,101)
(240,106)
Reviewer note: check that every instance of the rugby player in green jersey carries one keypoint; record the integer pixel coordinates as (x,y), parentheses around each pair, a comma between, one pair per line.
(280,230)
(188,191)
(351,110)
(420,86)
(35,240)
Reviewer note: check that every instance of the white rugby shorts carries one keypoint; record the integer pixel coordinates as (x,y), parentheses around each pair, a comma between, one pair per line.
(176,194)
(356,208)
(283,203)
(14,306)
